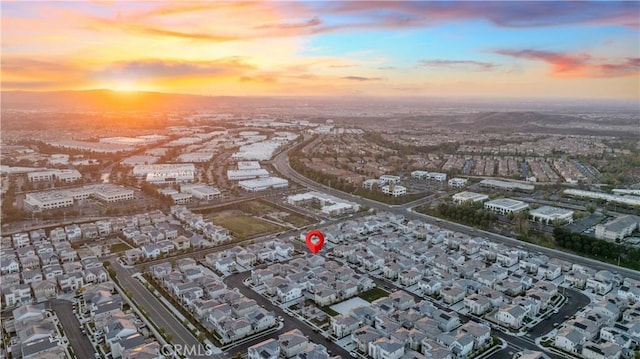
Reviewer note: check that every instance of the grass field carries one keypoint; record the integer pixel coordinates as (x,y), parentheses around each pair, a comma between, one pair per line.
(373,294)
(260,208)
(242,225)
(119,247)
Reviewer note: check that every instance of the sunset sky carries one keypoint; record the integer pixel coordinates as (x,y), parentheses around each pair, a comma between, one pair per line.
(271,48)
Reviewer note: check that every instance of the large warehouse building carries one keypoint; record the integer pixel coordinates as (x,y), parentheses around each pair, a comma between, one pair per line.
(166,173)
(262,184)
(507,185)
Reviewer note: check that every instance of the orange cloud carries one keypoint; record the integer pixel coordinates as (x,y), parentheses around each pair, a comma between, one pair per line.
(577,65)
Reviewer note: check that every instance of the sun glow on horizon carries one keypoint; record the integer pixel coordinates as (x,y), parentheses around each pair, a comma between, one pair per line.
(124,86)
(400,48)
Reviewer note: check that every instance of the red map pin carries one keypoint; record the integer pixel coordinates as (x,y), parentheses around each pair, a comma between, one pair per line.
(315,247)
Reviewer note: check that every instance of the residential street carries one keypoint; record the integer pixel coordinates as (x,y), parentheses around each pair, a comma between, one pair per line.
(80,343)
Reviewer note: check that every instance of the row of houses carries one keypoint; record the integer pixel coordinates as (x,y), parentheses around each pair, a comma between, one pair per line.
(90,230)
(230,314)
(39,269)
(605,329)
(227,261)
(122,331)
(38,285)
(34,333)
(196,222)
(399,327)
(325,282)
(291,344)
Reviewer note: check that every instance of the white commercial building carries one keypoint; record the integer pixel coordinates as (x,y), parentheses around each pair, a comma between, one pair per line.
(59,159)
(394,190)
(457,182)
(330,205)
(41,201)
(549,215)
(200,191)
(244,174)
(248,165)
(262,184)
(143,170)
(127,141)
(111,193)
(176,197)
(508,185)
(464,197)
(505,206)
(166,173)
(140,160)
(260,151)
(99,147)
(437,176)
(66,175)
(197,157)
(385,179)
(617,229)
(629,200)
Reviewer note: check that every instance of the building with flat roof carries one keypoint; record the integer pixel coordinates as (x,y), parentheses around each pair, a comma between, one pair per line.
(436,176)
(505,206)
(394,190)
(200,191)
(127,141)
(46,200)
(507,185)
(262,184)
(469,197)
(143,170)
(98,147)
(111,193)
(260,151)
(198,157)
(166,173)
(244,174)
(457,182)
(617,229)
(385,179)
(43,201)
(65,175)
(248,165)
(330,205)
(629,199)
(549,215)
(140,160)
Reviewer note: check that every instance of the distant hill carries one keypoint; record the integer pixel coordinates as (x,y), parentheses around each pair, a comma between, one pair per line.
(518,120)
(105,100)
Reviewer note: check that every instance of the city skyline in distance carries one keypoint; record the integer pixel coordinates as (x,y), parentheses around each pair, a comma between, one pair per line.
(396,49)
